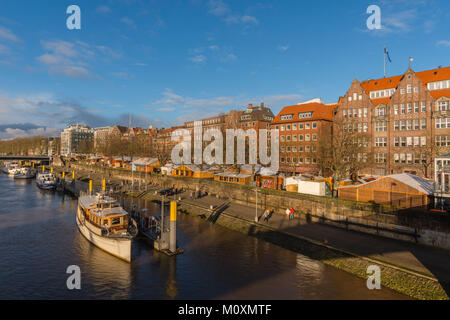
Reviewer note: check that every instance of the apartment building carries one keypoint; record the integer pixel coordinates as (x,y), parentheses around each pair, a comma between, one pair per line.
(406,117)
(300,127)
(72,136)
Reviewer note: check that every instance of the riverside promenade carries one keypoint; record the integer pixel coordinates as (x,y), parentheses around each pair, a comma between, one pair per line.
(429,262)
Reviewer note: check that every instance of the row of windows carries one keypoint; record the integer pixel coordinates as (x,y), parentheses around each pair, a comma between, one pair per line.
(382,93)
(356,127)
(442,123)
(301,137)
(410,158)
(410,108)
(355,113)
(229,179)
(438,85)
(298,160)
(410,141)
(416,124)
(294,127)
(300,149)
(443,141)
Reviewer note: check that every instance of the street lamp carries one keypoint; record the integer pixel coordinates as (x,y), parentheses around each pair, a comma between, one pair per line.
(256,206)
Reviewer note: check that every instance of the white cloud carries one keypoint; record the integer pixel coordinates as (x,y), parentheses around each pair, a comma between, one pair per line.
(4,49)
(8,35)
(71,71)
(129,22)
(249,19)
(103,9)
(217,8)
(443,43)
(12,133)
(198,59)
(122,75)
(283,48)
(72,59)
(109,52)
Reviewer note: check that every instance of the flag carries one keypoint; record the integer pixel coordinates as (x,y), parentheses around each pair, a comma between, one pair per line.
(387,54)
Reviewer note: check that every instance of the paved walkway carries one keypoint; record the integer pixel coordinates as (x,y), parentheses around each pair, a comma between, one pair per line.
(429,261)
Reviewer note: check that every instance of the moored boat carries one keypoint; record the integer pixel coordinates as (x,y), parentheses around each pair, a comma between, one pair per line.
(46,181)
(24,173)
(103,222)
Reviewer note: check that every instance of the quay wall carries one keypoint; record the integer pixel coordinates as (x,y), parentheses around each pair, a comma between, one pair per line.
(405,225)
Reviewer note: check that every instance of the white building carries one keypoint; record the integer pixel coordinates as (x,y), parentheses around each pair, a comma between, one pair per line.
(442,175)
(72,136)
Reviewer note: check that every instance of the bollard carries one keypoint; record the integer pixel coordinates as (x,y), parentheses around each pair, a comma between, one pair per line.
(104,185)
(43,168)
(63,175)
(51,170)
(90,186)
(173,227)
(73,175)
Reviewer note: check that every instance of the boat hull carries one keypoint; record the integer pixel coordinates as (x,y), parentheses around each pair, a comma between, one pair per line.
(46,186)
(121,248)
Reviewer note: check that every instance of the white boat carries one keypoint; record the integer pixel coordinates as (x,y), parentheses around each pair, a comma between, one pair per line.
(12,168)
(103,222)
(24,173)
(46,181)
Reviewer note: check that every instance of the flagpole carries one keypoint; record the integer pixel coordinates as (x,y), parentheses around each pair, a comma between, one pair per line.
(384,61)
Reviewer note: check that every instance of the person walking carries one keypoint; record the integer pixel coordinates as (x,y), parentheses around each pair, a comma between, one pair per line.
(291,214)
(266,215)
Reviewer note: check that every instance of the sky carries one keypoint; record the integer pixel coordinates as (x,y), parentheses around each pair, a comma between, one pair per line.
(164,62)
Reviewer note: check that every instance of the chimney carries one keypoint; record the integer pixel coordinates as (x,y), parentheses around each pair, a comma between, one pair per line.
(262,104)
(250,106)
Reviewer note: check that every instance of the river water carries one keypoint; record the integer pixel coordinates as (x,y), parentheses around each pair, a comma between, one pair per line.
(39,240)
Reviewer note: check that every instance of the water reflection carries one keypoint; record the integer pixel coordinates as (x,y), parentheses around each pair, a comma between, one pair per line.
(39,240)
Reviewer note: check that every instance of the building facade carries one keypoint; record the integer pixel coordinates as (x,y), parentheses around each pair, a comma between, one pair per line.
(300,127)
(406,117)
(72,136)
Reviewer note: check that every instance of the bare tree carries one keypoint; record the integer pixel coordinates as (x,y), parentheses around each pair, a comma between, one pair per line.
(343,151)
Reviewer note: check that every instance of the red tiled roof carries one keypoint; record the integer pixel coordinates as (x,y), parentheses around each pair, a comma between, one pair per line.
(392,82)
(320,111)
(380,101)
(440,93)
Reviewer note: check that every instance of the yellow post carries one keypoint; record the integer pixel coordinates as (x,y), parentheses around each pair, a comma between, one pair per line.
(73,175)
(90,186)
(43,168)
(63,175)
(173,210)
(33,165)
(104,184)
(173,227)
(51,169)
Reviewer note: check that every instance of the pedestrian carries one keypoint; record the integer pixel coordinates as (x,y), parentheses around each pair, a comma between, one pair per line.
(291,214)
(288,212)
(266,215)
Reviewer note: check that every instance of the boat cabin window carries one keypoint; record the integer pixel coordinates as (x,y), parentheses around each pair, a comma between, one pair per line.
(115,221)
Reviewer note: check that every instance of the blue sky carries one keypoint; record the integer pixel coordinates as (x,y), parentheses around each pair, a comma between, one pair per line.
(169,61)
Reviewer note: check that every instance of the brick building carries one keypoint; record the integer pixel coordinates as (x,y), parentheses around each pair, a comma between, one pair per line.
(300,127)
(406,117)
